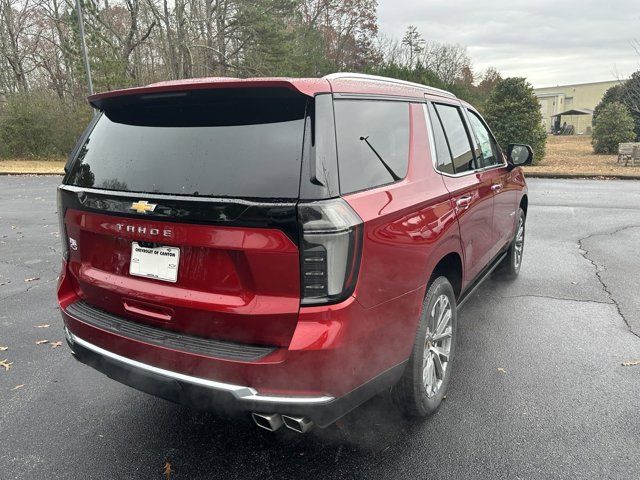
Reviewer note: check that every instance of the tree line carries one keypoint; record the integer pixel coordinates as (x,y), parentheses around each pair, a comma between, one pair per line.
(136,42)
(132,42)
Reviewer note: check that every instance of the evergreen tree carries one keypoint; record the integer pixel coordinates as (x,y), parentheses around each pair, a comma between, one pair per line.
(513,113)
(614,125)
(627,93)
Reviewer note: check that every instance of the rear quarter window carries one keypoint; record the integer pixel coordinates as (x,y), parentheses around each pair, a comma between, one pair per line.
(366,132)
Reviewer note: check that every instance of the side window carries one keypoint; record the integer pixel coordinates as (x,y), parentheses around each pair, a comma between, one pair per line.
(444,160)
(487,152)
(456,132)
(373,143)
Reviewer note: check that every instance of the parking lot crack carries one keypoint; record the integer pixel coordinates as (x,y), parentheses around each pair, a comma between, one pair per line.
(601,268)
(551,297)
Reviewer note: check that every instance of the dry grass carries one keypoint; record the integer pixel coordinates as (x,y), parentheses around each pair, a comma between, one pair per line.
(45,166)
(573,155)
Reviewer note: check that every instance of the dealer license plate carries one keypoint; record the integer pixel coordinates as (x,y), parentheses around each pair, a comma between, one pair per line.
(160,263)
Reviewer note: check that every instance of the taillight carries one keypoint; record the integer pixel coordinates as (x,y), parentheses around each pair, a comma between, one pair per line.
(331,243)
(63,230)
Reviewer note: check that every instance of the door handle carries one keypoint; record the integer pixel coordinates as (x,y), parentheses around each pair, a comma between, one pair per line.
(463,202)
(496,187)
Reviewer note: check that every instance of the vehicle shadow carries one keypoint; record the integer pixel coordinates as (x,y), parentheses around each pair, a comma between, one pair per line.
(206,445)
(373,438)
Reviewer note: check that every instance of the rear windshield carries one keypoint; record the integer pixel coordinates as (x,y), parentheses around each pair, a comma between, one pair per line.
(220,143)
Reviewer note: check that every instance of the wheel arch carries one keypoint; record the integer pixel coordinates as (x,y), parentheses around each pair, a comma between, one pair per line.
(524,203)
(450,266)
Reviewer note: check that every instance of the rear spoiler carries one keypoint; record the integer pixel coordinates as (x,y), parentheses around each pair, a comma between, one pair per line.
(305,86)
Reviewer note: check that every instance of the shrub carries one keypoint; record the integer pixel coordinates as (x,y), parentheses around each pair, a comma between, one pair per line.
(613,125)
(613,94)
(513,113)
(628,93)
(40,126)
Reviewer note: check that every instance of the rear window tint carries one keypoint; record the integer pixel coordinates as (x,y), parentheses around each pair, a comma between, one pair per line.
(236,145)
(368,131)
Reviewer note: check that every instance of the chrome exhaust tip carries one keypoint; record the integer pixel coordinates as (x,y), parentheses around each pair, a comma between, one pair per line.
(271,422)
(297,424)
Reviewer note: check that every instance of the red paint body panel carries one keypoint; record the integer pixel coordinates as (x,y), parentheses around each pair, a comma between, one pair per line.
(306,86)
(225,286)
(325,357)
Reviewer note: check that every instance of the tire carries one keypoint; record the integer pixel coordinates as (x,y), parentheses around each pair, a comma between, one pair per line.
(421,389)
(510,266)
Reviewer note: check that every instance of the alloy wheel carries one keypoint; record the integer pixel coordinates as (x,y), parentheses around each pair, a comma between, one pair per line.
(437,345)
(519,246)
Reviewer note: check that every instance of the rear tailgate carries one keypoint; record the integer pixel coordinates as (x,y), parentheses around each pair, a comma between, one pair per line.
(216,178)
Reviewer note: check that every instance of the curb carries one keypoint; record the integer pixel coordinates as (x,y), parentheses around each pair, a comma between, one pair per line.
(583,176)
(30,174)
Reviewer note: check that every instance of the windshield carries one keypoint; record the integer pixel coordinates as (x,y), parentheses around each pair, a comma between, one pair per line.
(236,144)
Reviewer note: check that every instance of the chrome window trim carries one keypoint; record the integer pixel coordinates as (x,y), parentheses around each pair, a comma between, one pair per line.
(240,392)
(159,196)
(378,97)
(434,159)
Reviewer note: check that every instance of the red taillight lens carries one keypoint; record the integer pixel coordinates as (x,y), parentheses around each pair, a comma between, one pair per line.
(331,244)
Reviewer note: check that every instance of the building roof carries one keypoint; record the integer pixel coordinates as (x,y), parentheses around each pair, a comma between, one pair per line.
(549,87)
(575,111)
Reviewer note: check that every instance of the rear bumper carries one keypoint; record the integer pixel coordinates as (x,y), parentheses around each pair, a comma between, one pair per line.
(339,356)
(206,394)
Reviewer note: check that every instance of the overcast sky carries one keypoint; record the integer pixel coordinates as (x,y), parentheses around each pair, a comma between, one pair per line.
(549,42)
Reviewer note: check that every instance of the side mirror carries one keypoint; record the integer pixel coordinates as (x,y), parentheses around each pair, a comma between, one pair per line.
(519,154)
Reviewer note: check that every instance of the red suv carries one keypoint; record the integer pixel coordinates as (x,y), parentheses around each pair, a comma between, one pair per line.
(286,247)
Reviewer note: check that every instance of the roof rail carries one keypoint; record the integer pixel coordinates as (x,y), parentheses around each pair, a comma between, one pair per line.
(377,78)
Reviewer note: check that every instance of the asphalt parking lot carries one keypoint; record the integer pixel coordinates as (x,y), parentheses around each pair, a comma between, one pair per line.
(539,389)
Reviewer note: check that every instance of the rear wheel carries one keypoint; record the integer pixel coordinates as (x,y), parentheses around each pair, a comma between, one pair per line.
(426,378)
(510,266)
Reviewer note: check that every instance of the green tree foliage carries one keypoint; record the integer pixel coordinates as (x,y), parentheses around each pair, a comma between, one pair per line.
(418,74)
(39,125)
(614,125)
(627,93)
(513,113)
(613,94)
(632,100)
(136,42)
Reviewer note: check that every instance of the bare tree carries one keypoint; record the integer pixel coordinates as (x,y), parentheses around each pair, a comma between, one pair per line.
(16,39)
(447,61)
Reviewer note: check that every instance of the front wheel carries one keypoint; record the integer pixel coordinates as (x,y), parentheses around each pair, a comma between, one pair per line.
(510,266)
(426,378)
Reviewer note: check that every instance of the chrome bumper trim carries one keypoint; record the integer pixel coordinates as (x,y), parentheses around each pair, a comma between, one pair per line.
(240,392)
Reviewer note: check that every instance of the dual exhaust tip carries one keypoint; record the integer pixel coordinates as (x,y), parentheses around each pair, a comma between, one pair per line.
(274,421)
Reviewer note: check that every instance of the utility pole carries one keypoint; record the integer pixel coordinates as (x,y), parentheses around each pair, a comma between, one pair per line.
(83,47)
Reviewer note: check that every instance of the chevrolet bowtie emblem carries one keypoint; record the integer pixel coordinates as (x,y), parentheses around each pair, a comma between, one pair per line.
(142,206)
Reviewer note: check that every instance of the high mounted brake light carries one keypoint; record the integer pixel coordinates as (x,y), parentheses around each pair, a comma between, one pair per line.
(330,250)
